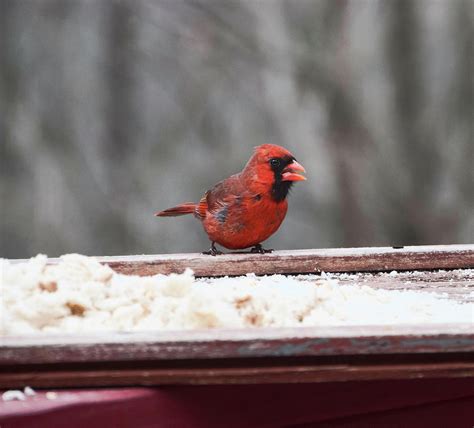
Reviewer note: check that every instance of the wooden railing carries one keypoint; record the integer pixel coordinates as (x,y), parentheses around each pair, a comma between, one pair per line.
(265,355)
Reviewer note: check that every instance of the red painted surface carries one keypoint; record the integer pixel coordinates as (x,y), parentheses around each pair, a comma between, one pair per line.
(418,403)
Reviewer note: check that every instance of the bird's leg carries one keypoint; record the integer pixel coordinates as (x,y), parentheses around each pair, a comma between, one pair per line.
(259,249)
(213,251)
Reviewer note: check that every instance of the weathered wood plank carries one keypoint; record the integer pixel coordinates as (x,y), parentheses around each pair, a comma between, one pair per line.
(298,261)
(302,261)
(288,373)
(242,343)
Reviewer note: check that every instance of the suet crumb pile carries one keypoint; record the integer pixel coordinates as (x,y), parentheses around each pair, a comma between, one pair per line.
(80,295)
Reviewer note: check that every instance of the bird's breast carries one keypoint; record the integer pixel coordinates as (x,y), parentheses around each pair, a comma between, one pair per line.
(246,222)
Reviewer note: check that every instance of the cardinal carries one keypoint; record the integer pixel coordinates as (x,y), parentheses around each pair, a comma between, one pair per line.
(245,209)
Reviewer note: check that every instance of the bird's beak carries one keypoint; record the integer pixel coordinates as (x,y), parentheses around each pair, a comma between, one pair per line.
(293,172)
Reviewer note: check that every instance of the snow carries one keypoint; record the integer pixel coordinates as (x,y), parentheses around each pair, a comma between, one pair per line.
(13,394)
(80,295)
(51,395)
(29,391)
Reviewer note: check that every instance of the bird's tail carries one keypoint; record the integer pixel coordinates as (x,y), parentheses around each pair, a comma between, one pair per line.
(183,209)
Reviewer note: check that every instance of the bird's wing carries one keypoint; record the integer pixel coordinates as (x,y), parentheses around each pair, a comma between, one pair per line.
(220,196)
(225,193)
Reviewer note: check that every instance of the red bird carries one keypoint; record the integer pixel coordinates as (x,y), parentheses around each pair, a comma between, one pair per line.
(246,208)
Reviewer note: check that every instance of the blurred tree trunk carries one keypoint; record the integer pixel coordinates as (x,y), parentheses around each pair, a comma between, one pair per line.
(120,39)
(417,158)
(13,168)
(460,111)
(118,145)
(347,135)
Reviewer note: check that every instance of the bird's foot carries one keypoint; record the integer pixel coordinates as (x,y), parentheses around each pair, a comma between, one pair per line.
(259,249)
(213,251)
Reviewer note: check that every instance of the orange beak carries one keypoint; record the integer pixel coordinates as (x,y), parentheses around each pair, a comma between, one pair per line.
(293,172)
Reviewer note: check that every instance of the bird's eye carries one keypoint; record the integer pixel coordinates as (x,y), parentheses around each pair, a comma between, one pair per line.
(275,162)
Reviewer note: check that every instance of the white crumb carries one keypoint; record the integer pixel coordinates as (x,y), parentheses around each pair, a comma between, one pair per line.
(28,391)
(79,295)
(51,395)
(13,394)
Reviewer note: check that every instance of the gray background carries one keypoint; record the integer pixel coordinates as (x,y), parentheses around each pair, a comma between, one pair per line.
(112,110)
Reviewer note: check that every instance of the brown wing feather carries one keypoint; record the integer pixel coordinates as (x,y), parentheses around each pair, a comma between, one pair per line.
(201,208)
(225,193)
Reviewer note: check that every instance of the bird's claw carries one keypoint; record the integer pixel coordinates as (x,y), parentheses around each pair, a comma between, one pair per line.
(259,249)
(213,251)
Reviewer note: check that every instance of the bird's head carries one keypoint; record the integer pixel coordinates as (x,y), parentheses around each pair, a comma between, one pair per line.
(275,166)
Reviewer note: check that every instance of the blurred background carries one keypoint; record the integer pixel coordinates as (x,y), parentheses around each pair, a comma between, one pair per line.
(112,110)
